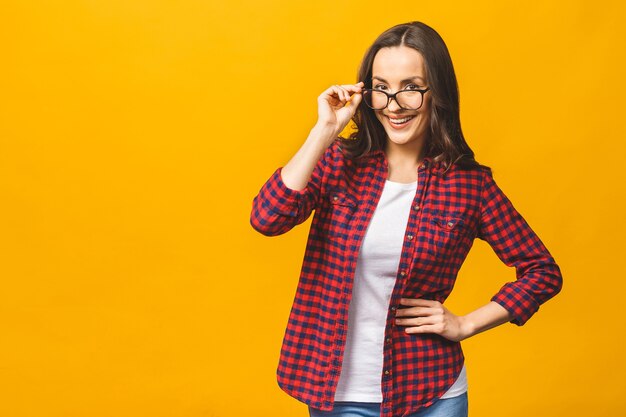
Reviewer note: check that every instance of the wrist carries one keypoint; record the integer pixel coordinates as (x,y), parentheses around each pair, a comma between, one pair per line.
(468,328)
(328,130)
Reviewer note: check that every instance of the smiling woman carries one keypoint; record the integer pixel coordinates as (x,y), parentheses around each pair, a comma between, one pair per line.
(397,207)
(409,97)
(411,57)
(406,117)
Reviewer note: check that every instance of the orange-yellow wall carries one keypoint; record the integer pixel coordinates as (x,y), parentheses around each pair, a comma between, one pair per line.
(134,135)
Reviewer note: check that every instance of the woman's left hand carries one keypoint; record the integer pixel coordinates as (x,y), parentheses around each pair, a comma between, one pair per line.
(430,316)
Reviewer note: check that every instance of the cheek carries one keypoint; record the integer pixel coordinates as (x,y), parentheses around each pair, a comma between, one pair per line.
(425,114)
(426,108)
(424,123)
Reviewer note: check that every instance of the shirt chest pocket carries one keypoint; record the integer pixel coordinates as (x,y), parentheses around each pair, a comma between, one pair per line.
(341,207)
(446,232)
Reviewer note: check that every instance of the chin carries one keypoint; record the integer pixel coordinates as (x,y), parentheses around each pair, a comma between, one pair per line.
(402,141)
(402,136)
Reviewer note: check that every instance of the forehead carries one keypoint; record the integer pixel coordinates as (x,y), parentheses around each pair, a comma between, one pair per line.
(397,63)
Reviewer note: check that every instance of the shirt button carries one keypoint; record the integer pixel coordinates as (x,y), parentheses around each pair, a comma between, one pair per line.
(450,224)
(402,273)
(410,237)
(335,198)
(394,308)
(387,372)
(416,207)
(389,340)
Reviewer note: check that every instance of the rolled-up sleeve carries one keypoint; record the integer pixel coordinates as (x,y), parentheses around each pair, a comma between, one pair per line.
(277,208)
(538,277)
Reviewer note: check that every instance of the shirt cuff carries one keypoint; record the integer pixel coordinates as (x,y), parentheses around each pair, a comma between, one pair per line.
(284,200)
(517,302)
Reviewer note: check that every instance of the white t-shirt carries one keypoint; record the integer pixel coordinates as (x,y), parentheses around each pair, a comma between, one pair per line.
(375,275)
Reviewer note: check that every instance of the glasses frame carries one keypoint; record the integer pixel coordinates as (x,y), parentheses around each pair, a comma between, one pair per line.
(393,96)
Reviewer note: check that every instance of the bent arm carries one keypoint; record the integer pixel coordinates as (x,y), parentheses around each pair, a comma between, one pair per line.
(516,244)
(484,318)
(297,173)
(292,192)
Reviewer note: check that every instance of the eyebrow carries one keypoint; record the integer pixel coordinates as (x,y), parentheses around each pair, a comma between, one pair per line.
(406,79)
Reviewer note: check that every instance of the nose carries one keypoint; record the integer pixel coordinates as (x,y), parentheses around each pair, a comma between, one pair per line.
(393,105)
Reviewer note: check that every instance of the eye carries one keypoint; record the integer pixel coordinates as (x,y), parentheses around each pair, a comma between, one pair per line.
(415,87)
(380,87)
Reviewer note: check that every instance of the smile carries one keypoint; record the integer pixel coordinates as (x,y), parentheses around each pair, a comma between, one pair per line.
(400,123)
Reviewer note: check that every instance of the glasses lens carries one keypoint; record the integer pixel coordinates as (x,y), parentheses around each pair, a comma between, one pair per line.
(411,100)
(376,100)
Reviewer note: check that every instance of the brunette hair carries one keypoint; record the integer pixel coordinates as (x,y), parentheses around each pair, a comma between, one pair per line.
(446,142)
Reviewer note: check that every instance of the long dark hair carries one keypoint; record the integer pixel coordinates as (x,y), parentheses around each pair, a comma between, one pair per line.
(446,143)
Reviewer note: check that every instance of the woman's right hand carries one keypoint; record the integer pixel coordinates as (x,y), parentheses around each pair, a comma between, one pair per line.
(333,111)
(334,115)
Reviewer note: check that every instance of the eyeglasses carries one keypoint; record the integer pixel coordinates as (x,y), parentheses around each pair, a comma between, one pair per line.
(406,99)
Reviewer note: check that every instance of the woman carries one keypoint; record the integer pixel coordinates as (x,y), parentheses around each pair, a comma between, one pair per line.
(397,207)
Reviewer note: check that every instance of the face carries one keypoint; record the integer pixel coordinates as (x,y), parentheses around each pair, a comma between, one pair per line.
(399,68)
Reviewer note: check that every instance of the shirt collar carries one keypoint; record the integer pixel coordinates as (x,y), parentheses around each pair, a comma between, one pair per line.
(429,163)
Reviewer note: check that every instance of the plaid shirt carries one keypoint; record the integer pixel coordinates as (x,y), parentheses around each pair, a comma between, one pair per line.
(448,212)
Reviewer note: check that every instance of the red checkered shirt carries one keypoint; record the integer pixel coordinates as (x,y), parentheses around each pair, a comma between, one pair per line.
(447,213)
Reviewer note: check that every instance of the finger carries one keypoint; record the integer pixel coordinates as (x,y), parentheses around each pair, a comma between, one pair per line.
(338,91)
(418,302)
(420,321)
(344,93)
(417,311)
(352,87)
(335,93)
(329,93)
(333,90)
(354,101)
(354,91)
(432,328)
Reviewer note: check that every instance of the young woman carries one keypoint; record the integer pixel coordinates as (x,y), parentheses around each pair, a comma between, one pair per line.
(397,208)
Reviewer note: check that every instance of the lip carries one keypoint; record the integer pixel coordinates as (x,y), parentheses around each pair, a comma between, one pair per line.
(403,125)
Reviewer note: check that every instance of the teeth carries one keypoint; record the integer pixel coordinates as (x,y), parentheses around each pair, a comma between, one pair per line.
(400,121)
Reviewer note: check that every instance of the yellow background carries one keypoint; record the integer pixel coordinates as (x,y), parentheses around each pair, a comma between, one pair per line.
(134,135)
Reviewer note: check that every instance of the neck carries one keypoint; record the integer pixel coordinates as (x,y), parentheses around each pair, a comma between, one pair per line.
(407,156)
